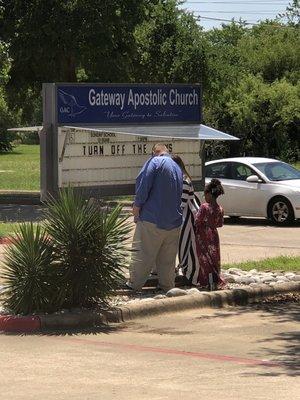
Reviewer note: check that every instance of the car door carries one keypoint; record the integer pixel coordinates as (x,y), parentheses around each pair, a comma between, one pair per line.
(249,198)
(221,171)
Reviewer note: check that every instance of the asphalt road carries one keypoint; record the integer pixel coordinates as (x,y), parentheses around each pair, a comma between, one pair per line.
(239,353)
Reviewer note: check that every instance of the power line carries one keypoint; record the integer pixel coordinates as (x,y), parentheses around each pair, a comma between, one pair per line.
(237,12)
(240,2)
(241,22)
(226,20)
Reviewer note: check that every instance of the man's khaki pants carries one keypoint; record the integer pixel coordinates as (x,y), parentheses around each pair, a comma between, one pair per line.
(153,246)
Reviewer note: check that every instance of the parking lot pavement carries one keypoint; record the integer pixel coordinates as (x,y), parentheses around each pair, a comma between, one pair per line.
(240,353)
(249,239)
(254,239)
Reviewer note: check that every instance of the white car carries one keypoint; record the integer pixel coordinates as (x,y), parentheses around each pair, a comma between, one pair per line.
(257,187)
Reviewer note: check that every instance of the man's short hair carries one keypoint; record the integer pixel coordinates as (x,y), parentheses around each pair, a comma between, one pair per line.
(159,148)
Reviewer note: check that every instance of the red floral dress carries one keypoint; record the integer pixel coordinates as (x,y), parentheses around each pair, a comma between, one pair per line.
(209,217)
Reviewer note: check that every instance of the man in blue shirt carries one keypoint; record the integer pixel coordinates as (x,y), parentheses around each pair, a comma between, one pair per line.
(158,218)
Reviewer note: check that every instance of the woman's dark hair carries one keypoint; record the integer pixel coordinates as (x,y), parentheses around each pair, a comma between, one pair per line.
(180,163)
(215,188)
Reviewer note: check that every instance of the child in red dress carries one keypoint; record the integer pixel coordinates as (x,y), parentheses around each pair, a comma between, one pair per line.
(208,219)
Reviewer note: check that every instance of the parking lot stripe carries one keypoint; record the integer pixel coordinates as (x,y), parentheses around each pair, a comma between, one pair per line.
(192,354)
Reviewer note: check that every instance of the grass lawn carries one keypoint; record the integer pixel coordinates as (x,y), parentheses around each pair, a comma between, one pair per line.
(20,169)
(282,263)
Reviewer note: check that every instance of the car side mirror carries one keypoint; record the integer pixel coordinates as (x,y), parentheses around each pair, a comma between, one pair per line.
(254,179)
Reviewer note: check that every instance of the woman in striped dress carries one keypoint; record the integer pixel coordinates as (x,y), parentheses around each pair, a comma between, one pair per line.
(188,260)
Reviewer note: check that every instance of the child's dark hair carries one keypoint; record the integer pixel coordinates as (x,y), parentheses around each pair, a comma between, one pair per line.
(215,188)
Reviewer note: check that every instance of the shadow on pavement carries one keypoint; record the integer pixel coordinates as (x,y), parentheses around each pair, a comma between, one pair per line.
(285,349)
(101,329)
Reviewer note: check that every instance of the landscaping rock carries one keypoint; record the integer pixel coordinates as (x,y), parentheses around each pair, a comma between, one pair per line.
(160,296)
(282,278)
(289,275)
(253,271)
(268,279)
(175,292)
(228,278)
(238,279)
(193,291)
(249,279)
(296,278)
(235,271)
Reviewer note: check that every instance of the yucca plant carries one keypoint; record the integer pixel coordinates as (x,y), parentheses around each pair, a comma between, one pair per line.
(29,273)
(91,246)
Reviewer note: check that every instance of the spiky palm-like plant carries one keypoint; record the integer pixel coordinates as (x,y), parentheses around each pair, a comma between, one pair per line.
(28,272)
(91,246)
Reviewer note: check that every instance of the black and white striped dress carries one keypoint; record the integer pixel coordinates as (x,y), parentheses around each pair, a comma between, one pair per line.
(188,260)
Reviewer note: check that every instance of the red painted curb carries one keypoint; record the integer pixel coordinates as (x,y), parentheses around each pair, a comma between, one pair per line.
(5,240)
(11,323)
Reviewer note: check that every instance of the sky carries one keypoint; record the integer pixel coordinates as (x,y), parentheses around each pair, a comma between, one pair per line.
(252,11)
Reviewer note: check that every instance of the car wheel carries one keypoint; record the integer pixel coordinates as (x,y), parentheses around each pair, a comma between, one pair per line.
(280,211)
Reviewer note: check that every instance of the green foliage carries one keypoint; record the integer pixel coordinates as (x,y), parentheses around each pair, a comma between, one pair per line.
(271,51)
(254,91)
(65,36)
(292,13)
(76,259)
(28,272)
(90,245)
(281,263)
(157,41)
(29,137)
(7,120)
(266,117)
(170,46)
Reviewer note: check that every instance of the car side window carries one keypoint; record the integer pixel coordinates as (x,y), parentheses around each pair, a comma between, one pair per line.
(241,171)
(218,170)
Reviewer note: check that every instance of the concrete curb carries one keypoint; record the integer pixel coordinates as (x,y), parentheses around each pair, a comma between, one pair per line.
(91,319)
(219,299)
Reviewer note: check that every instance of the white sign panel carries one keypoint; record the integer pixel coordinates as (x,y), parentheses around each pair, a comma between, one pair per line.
(91,158)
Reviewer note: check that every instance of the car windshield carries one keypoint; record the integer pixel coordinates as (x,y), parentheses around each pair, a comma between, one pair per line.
(278,171)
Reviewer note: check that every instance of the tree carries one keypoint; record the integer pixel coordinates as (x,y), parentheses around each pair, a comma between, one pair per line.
(52,41)
(267,117)
(224,71)
(6,118)
(271,50)
(292,13)
(171,46)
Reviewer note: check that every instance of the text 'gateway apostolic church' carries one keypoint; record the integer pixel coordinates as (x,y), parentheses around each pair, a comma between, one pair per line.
(157,97)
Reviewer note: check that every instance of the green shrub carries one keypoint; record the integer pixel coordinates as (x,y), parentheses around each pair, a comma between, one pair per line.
(91,246)
(5,142)
(29,275)
(76,259)
(29,137)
